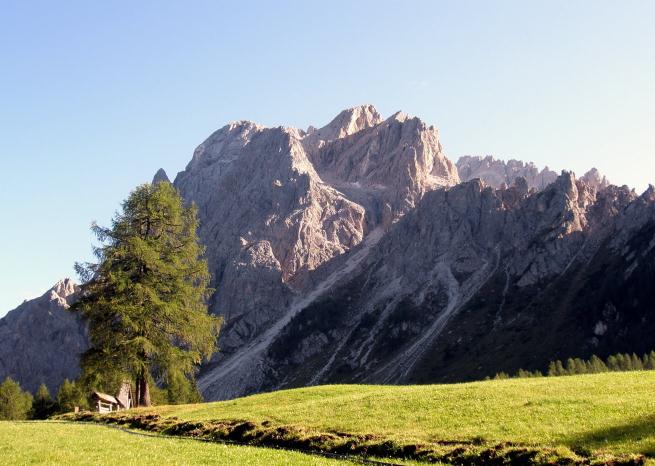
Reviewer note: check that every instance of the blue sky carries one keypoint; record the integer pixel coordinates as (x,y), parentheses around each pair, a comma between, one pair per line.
(96,96)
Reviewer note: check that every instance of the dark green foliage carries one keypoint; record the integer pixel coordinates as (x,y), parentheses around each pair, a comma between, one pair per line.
(637,365)
(556,368)
(522,374)
(69,396)
(181,390)
(43,405)
(597,365)
(145,299)
(15,404)
(624,362)
(649,361)
(614,363)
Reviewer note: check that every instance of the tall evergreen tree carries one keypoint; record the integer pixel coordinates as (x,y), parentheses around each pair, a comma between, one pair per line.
(559,368)
(613,363)
(597,364)
(145,299)
(69,396)
(637,365)
(625,363)
(43,405)
(570,366)
(15,404)
(649,363)
(552,369)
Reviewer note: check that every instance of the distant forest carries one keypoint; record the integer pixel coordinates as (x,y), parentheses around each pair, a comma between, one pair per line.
(573,366)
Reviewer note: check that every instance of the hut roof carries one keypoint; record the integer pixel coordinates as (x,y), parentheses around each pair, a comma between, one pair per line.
(105,397)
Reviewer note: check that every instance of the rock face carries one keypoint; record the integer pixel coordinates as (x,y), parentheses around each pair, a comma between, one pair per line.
(353,253)
(473,281)
(278,203)
(40,341)
(497,173)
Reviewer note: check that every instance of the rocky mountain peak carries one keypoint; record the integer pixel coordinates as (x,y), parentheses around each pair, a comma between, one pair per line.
(64,287)
(349,121)
(399,116)
(649,194)
(224,144)
(387,167)
(595,179)
(63,290)
(160,176)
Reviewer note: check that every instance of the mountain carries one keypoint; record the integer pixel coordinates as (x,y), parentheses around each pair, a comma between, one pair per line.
(496,173)
(40,342)
(475,281)
(358,252)
(277,204)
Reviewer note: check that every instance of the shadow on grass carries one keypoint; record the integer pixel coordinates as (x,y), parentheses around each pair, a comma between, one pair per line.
(640,431)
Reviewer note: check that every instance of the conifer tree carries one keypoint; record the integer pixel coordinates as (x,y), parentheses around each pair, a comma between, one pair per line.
(625,363)
(15,404)
(650,361)
(552,369)
(570,366)
(560,368)
(69,396)
(613,363)
(597,364)
(145,299)
(579,366)
(43,405)
(636,363)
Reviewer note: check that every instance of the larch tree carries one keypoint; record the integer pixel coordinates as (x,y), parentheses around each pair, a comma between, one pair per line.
(145,299)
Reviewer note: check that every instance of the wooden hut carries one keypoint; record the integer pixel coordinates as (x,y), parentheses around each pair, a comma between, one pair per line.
(106,403)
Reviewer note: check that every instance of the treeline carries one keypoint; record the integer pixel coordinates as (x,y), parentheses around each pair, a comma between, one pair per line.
(18,404)
(573,366)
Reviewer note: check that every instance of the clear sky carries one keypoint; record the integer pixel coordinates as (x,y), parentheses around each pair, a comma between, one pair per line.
(95,96)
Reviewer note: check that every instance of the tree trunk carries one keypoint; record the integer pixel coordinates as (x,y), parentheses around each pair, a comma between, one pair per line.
(143,391)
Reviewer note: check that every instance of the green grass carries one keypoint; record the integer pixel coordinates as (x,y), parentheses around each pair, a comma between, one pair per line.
(70,443)
(610,412)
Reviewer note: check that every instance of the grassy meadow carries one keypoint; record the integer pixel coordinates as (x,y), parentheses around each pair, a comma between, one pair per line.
(43,442)
(613,412)
(595,419)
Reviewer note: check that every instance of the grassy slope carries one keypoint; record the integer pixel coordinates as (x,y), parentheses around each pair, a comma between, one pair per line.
(613,412)
(55,443)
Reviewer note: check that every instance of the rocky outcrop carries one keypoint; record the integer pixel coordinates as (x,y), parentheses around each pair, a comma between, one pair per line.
(40,341)
(499,173)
